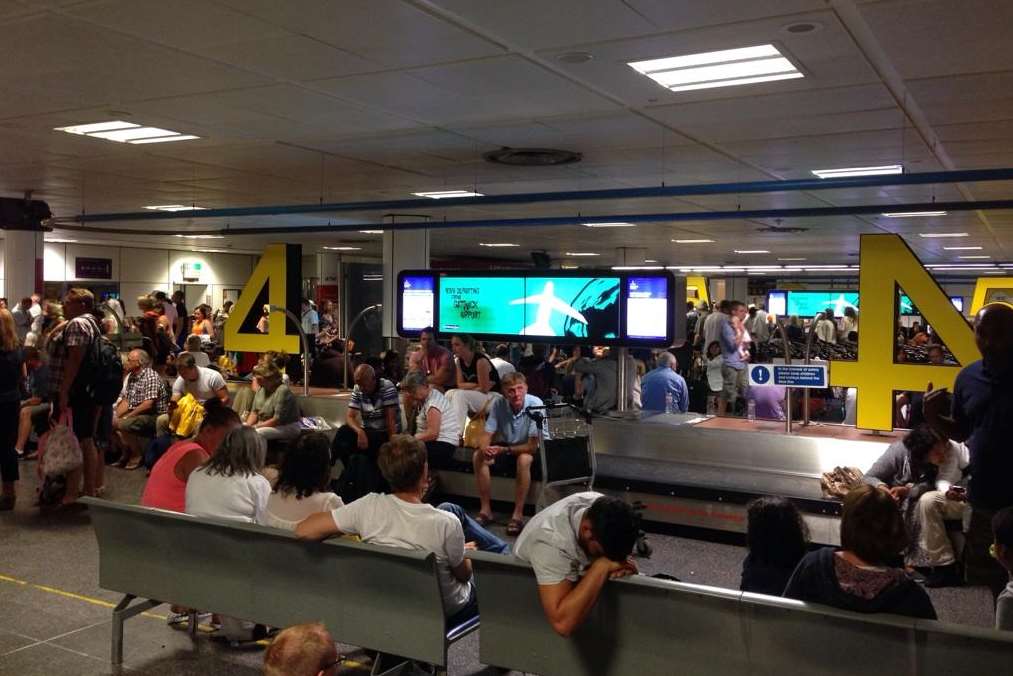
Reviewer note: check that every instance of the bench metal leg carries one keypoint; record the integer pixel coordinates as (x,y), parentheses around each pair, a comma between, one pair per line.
(122,612)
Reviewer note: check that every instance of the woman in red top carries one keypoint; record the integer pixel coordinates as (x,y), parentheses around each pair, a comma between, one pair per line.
(166,487)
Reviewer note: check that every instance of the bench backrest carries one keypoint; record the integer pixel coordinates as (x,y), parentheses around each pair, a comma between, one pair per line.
(375,597)
(643,625)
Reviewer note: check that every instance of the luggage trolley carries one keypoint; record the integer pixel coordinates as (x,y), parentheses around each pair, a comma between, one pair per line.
(567,452)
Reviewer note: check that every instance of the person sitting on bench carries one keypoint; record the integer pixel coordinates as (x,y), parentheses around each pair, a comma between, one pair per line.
(515,434)
(401,519)
(919,473)
(302,650)
(374,416)
(436,421)
(575,545)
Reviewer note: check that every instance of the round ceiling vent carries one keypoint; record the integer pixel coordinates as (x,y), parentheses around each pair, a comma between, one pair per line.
(801,27)
(575,57)
(781,230)
(532,157)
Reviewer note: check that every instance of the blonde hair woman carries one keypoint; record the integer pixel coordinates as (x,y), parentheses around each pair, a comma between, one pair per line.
(12,374)
(275,413)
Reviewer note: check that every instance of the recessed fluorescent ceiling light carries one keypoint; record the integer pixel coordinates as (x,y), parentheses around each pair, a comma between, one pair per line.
(202,236)
(860,171)
(371,232)
(61,241)
(938,235)
(913,214)
(610,225)
(968,258)
(445,194)
(344,248)
(725,68)
(638,267)
(961,248)
(174,207)
(126,132)
(693,241)
(751,251)
(581,253)
(650,260)
(569,267)
(496,245)
(791,259)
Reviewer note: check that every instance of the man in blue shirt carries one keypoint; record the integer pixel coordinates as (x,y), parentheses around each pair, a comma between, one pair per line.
(733,370)
(981,415)
(515,434)
(662,381)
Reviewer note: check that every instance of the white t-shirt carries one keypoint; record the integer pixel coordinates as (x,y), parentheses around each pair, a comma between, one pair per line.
(170,313)
(390,521)
(503,367)
(450,421)
(208,382)
(549,540)
(236,497)
(285,510)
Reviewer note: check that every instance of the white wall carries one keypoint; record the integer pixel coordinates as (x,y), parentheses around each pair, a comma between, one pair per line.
(140,271)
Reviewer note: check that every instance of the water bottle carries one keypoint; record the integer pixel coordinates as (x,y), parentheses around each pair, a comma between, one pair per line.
(751,410)
(669,405)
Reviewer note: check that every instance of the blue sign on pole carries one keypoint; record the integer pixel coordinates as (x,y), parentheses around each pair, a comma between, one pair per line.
(794,375)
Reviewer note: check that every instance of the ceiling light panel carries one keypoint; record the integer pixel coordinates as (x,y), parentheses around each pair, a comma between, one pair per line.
(941,235)
(581,253)
(174,207)
(725,68)
(497,245)
(126,132)
(447,194)
(845,172)
(693,241)
(913,214)
(751,251)
(961,248)
(610,225)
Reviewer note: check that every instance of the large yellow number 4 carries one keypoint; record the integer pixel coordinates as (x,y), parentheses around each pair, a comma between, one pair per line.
(886,264)
(269,284)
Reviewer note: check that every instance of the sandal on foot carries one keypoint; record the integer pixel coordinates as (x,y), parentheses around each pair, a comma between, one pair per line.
(483,519)
(514,527)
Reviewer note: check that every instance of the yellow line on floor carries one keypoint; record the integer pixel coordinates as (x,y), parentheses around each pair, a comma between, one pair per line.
(69,595)
(106,604)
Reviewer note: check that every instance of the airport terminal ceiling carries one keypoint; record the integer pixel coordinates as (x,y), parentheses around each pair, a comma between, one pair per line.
(388,99)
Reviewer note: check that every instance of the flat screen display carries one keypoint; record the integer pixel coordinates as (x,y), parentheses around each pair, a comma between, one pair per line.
(417,302)
(906,307)
(777,303)
(647,308)
(811,303)
(578,308)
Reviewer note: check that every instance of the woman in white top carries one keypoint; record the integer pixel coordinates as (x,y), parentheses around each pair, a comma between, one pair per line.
(302,485)
(438,424)
(230,485)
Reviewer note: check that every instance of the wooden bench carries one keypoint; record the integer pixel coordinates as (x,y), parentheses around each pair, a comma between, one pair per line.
(642,625)
(380,598)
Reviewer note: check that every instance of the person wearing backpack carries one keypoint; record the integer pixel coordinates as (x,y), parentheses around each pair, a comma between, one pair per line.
(86,374)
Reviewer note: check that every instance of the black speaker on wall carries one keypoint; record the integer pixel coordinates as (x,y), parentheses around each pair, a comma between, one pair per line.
(21,214)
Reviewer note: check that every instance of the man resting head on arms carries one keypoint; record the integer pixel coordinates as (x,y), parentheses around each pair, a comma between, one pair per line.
(575,545)
(302,650)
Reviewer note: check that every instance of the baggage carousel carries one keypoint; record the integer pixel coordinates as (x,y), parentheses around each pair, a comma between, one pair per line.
(699,471)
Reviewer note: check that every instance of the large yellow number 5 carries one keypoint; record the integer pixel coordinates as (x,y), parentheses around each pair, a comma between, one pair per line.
(886,263)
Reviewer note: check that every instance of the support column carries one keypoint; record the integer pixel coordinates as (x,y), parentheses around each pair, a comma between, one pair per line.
(402,250)
(22,264)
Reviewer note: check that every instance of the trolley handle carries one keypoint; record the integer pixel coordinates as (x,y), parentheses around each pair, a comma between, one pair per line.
(537,413)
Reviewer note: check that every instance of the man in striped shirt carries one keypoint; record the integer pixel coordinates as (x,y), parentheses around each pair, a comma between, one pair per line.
(374,416)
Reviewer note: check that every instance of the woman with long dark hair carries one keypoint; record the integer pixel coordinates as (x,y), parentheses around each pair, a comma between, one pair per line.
(12,374)
(777,539)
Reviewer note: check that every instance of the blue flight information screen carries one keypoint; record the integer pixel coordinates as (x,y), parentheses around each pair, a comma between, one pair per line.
(647,308)
(417,302)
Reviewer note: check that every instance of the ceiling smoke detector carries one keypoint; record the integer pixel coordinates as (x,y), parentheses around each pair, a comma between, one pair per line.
(781,230)
(801,27)
(532,157)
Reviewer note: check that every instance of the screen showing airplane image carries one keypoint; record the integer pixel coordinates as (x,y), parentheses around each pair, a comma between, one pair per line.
(578,308)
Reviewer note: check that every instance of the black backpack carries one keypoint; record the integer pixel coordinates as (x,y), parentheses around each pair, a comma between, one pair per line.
(103,370)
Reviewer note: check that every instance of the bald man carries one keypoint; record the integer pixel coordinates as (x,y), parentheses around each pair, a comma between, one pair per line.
(302,650)
(374,416)
(143,398)
(981,414)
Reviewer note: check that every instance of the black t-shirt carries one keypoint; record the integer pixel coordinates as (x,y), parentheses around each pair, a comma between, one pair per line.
(983,410)
(470,372)
(10,376)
